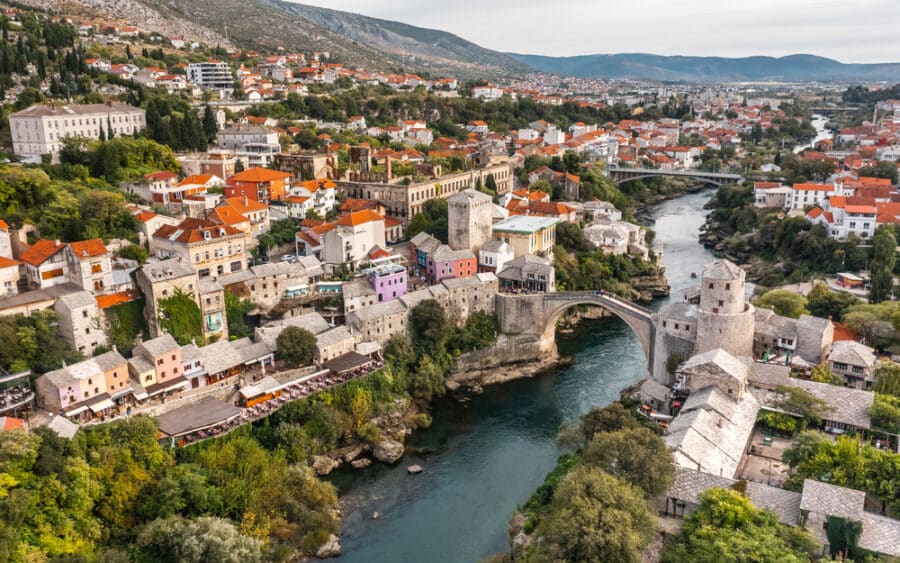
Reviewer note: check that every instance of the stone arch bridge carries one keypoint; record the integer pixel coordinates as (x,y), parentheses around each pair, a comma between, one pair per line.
(537,315)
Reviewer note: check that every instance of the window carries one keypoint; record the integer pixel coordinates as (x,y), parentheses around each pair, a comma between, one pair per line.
(159,362)
(84,314)
(727,286)
(721,303)
(711,285)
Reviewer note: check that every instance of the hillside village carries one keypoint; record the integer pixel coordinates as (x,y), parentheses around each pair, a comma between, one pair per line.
(342,225)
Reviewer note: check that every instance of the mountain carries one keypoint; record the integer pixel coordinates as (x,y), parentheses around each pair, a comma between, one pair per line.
(259,24)
(425,47)
(710,69)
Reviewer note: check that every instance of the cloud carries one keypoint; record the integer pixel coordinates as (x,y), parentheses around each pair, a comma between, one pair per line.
(858,31)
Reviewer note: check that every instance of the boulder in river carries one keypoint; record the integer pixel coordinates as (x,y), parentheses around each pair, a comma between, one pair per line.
(323,464)
(353,453)
(388,451)
(415,469)
(361,463)
(331,548)
(451,385)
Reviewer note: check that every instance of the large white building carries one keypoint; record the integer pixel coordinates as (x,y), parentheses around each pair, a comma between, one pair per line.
(211,75)
(41,128)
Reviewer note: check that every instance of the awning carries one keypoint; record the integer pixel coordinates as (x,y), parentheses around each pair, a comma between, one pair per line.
(179,382)
(141,395)
(76,410)
(121,392)
(101,405)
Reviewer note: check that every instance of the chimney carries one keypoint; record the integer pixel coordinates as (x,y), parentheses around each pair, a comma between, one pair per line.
(246,201)
(57,242)
(114,348)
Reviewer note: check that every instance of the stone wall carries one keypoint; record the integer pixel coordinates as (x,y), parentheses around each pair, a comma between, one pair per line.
(732,333)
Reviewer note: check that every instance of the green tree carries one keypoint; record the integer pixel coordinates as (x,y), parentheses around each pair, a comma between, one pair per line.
(428,327)
(571,237)
(824,303)
(887,378)
(180,316)
(196,541)
(635,455)
(801,402)
(296,346)
(726,527)
(235,311)
(784,302)
(595,517)
(822,374)
(885,413)
(432,220)
(881,270)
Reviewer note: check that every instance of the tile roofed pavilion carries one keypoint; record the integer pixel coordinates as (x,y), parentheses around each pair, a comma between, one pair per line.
(832,500)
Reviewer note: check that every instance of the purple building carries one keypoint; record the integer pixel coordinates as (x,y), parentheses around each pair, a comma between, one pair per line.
(389,281)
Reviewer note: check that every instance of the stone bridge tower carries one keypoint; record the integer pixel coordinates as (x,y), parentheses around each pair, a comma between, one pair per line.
(725,319)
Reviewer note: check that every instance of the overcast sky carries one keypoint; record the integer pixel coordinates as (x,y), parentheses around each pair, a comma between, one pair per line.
(847,30)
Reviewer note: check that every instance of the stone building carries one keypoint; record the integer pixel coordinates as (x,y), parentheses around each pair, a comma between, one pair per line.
(716,368)
(266,285)
(854,362)
(725,317)
(380,321)
(470,216)
(334,342)
(403,200)
(163,279)
(90,265)
(79,321)
(211,249)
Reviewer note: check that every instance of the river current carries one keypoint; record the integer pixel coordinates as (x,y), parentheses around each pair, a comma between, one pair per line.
(484,458)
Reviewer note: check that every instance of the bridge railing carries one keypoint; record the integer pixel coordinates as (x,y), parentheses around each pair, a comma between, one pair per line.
(688,173)
(613,299)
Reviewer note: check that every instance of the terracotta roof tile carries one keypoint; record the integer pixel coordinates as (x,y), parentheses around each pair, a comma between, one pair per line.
(88,248)
(259,175)
(359,218)
(40,251)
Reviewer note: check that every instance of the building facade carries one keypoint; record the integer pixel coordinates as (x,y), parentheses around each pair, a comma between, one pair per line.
(41,128)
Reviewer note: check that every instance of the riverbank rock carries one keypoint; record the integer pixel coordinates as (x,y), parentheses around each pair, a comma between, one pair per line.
(361,463)
(415,469)
(323,464)
(451,385)
(476,389)
(376,515)
(331,548)
(388,451)
(353,453)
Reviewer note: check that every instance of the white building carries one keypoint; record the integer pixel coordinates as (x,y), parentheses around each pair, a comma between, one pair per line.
(354,237)
(41,128)
(211,75)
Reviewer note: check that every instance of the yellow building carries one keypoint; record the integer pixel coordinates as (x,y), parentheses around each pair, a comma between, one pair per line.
(527,235)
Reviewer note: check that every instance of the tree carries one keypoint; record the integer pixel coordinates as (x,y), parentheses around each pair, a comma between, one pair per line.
(210,125)
(235,309)
(428,327)
(635,455)
(180,316)
(196,541)
(822,374)
(887,378)
(824,303)
(571,237)
(595,517)
(432,220)
(884,169)
(610,418)
(783,302)
(726,527)
(885,413)
(801,402)
(881,270)
(296,346)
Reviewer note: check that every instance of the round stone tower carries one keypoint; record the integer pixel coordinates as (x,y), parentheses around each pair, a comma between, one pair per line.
(725,319)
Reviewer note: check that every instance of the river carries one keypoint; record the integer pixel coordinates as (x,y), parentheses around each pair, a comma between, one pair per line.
(486,457)
(818,122)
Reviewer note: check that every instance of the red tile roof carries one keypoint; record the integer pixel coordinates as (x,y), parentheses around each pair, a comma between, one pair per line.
(359,218)
(113,299)
(192,230)
(88,248)
(8,262)
(259,175)
(41,251)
